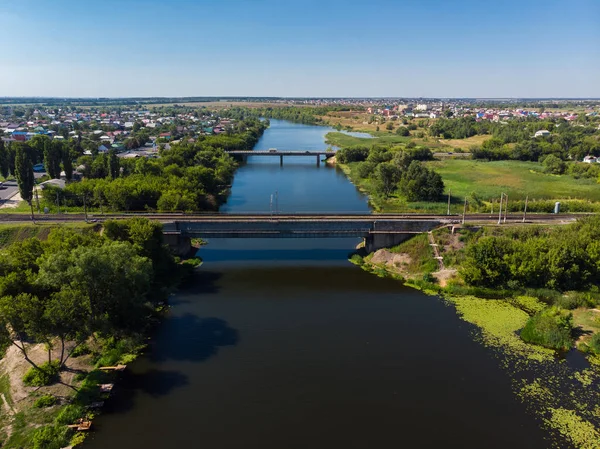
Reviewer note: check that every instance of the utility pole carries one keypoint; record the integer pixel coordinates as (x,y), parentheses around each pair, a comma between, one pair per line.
(500,214)
(271,205)
(464,211)
(449,195)
(57,202)
(506,208)
(85,206)
(525,209)
(276,201)
(492,212)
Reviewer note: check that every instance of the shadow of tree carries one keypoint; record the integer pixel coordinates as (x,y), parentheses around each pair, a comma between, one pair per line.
(152,382)
(191,338)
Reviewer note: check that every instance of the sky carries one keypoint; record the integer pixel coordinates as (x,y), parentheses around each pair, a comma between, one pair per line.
(300,48)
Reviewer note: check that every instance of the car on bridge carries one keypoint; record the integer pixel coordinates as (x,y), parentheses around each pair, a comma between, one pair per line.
(272,150)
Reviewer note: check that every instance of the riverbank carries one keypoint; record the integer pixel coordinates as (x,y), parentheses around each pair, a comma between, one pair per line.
(561,388)
(60,358)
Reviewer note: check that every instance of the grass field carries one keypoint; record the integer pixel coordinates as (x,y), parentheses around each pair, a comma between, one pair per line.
(517,179)
(344,140)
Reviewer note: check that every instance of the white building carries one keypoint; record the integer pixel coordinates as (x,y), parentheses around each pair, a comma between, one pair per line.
(542,133)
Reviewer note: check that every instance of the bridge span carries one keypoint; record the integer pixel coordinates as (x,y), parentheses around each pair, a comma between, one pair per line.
(378,231)
(281,154)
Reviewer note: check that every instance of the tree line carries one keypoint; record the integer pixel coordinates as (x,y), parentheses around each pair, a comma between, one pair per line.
(395,170)
(188,176)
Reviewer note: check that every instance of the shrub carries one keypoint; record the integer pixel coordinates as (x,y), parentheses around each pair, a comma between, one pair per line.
(69,415)
(45,375)
(594,343)
(80,350)
(50,437)
(45,401)
(551,328)
(356,259)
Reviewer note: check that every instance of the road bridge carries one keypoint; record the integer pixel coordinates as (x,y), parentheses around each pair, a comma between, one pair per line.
(282,153)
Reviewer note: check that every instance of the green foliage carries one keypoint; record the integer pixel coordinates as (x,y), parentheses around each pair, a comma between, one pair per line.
(421,184)
(45,374)
(566,259)
(352,154)
(51,437)
(24,170)
(403,131)
(70,414)
(594,343)
(44,401)
(82,349)
(554,165)
(551,328)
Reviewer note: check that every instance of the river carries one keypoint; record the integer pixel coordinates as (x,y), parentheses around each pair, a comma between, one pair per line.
(284,344)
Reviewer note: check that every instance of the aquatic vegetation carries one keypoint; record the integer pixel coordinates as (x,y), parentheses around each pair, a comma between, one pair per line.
(570,425)
(499,322)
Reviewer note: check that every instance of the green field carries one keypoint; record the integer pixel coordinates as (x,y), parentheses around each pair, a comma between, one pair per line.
(517,179)
(344,140)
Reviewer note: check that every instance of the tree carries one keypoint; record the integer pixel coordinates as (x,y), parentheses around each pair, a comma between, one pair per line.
(554,165)
(67,163)
(19,319)
(24,174)
(52,156)
(418,183)
(3,159)
(113,164)
(386,178)
(110,280)
(403,131)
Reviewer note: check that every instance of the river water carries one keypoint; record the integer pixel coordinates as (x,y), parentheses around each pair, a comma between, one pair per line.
(282,344)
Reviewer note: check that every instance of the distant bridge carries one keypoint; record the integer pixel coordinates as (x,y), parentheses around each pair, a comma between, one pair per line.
(281,153)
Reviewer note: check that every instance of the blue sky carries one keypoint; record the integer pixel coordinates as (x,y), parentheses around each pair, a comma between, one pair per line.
(429,48)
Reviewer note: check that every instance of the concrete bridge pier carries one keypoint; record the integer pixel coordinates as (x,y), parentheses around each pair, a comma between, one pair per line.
(180,246)
(281,160)
(318,160)
(375,241)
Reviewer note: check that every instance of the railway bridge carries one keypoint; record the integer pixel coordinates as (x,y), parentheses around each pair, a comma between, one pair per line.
(379,231)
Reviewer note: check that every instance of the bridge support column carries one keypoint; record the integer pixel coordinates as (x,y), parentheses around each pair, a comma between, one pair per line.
(281,160)
(318,160)
(373,242)
(179,245)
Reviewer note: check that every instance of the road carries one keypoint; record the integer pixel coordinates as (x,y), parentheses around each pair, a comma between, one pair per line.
(10,188)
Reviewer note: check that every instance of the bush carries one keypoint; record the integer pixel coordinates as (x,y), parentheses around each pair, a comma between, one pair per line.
(80,350)
(403,131)
(47,374)
(45,401)
(551,328)
(69,415)
(594,343)
(356,259)
(51,437)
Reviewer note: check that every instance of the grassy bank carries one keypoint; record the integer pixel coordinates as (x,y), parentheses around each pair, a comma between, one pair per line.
(482,183)
(563,396)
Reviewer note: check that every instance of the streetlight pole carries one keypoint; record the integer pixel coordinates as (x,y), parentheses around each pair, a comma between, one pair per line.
(505,207)
(449,195)
(525,209)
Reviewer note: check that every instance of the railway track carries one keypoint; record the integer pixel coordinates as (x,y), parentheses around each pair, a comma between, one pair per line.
(165,217)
